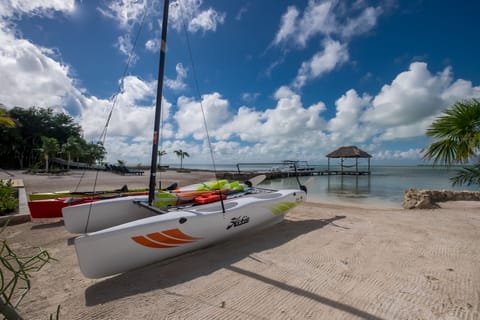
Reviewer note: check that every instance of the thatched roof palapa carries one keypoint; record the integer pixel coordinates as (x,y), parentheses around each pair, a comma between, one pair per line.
(348,152)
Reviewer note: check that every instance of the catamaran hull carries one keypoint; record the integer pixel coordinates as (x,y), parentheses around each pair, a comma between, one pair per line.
(108,213)
(145,241)
(94,216)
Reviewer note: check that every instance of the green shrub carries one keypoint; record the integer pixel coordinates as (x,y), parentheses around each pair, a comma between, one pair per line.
(8,201)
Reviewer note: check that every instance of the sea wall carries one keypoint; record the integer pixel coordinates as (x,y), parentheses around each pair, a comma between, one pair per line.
(427,199)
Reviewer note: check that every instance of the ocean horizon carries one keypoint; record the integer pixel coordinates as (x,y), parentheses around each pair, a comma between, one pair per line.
(384,187)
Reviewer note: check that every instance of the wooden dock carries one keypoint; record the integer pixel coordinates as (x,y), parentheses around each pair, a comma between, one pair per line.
(245,175)
(290,168)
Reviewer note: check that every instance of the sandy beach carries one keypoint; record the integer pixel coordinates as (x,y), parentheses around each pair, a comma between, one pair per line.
(325,261)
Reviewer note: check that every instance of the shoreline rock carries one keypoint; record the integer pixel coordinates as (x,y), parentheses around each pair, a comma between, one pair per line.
(427,199)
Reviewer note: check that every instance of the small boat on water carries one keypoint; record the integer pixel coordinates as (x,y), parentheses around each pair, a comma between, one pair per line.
(124,233)
(293,166)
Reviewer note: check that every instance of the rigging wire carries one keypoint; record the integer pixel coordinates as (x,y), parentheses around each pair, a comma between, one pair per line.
(197,89)
(160,144)
(103,135)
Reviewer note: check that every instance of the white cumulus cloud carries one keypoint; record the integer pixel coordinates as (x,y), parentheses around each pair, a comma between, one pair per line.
(9,8)
(190,117)
(126,12)
(333,55)
(346,127)
(407,106)
(179,82)
(287,26)
(325,18)
(189,12)
(30,75)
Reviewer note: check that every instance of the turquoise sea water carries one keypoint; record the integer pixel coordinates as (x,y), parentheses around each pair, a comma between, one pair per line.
(384,187)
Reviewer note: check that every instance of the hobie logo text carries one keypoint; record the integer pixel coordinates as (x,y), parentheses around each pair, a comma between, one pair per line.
(238,221)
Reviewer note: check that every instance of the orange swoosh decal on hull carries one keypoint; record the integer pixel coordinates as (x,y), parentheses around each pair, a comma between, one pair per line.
(148,243)
(177,233)
(160,237)
(166,239)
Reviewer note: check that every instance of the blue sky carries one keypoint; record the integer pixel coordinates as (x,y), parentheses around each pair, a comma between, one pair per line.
(277,79)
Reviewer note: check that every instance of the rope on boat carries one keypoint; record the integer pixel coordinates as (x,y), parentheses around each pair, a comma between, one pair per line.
(197,90)
(103,134)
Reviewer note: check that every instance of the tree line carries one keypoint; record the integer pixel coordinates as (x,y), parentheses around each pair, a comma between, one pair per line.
(30,137)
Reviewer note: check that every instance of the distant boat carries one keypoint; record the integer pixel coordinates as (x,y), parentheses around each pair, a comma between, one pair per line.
(135,231)
(293,166)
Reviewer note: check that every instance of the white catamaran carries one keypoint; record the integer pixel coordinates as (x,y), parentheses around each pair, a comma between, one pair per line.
(125,233)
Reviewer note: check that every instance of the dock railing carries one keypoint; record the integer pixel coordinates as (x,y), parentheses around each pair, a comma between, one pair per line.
(289,168)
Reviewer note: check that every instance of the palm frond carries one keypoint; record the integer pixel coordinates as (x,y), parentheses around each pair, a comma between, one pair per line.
(457,133)
(467,176)
(442,151)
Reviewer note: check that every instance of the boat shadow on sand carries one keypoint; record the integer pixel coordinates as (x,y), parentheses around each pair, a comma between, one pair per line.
(199,263)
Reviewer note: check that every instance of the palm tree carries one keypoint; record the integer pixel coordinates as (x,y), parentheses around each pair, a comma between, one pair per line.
(72,148)
(49,146)
(93,152)
(181,154)
(161,153)
(457,135)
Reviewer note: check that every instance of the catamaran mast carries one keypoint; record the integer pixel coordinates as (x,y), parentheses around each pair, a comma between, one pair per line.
(158,108)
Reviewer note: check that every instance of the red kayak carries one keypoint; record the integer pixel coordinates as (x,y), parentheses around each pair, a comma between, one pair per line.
(52,208)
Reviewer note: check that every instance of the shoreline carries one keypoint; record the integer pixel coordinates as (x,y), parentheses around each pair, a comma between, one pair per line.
(80,180)
(324,261)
